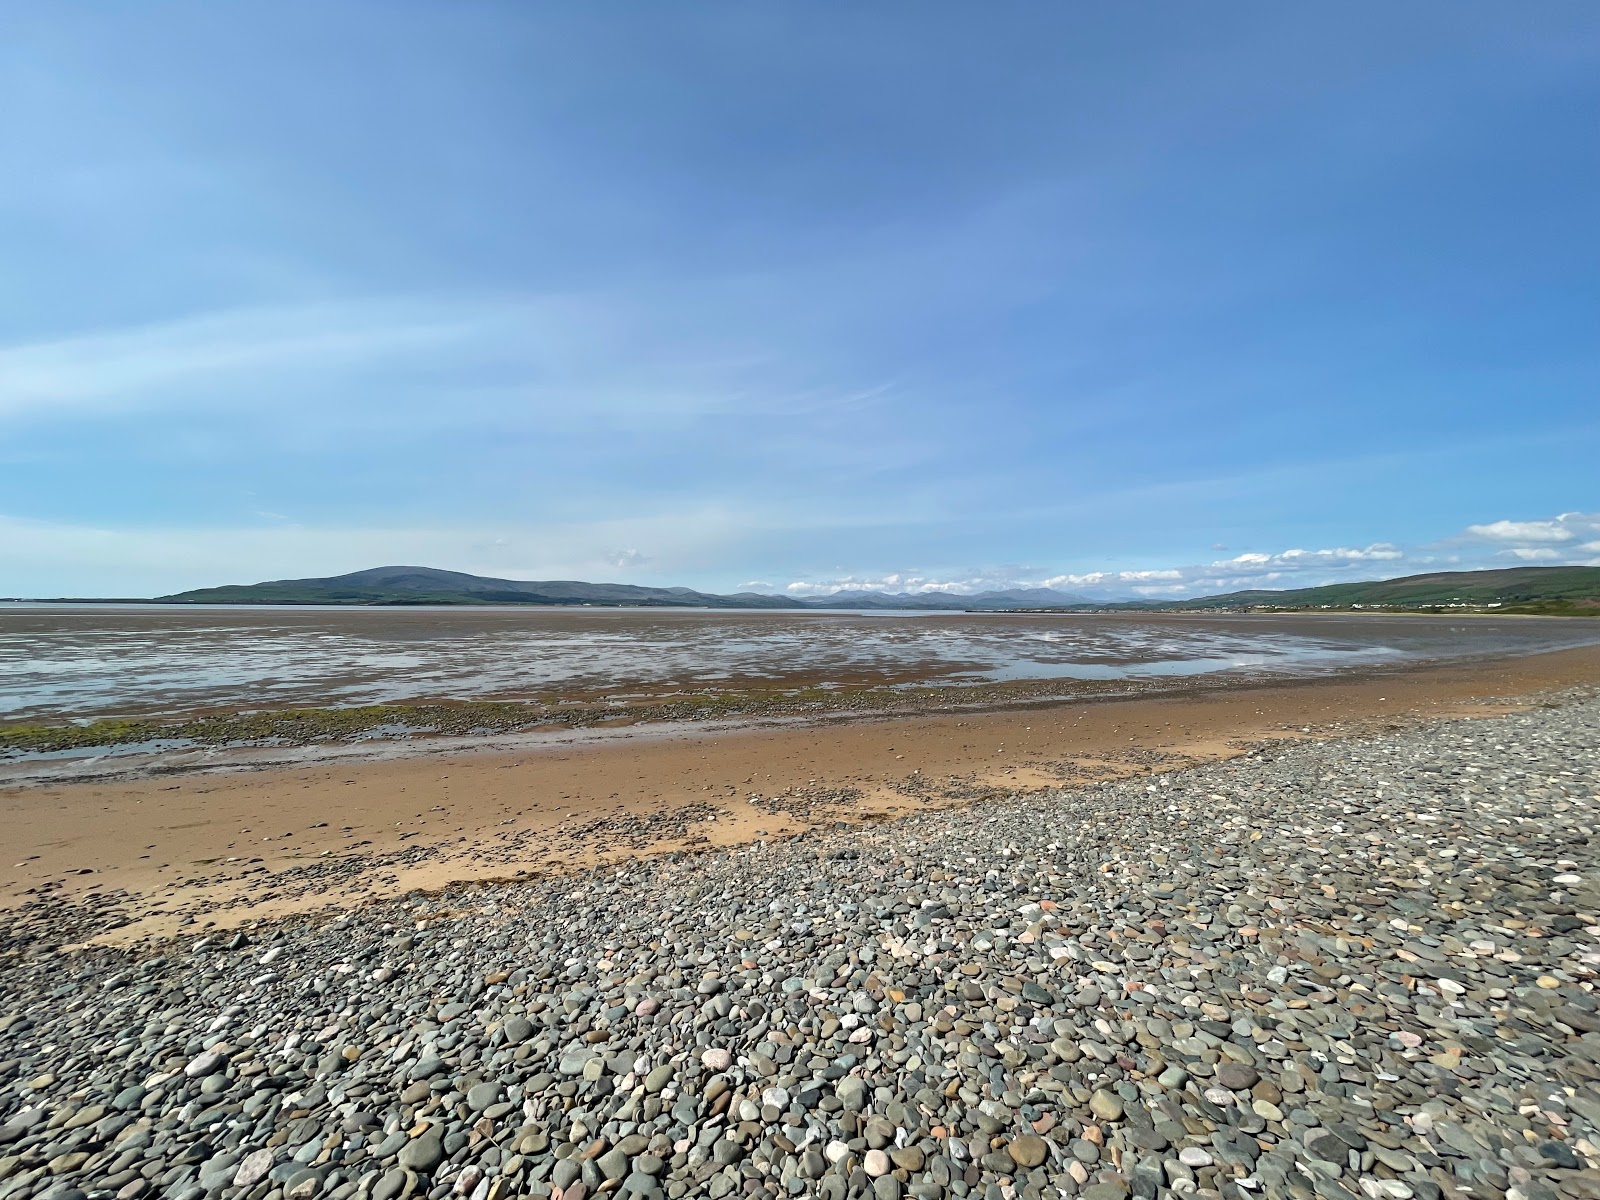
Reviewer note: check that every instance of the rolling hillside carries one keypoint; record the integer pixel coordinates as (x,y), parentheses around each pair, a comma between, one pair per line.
(1512,587)
(427,585)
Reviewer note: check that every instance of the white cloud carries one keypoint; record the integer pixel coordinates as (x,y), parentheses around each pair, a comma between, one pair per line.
(968,583)
(1527,531)
(1098,578)
(1540,541)
(917,583)
(1377,552)
(898,581)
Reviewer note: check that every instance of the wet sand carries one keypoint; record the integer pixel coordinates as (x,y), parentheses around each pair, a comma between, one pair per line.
(162,856)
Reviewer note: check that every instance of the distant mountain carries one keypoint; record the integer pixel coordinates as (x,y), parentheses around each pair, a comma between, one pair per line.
(427,585)
(1555,588)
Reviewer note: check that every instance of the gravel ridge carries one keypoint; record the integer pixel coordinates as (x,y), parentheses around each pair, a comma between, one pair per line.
(1362,968)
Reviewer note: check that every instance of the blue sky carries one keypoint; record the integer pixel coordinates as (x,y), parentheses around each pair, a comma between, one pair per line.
(1135,299)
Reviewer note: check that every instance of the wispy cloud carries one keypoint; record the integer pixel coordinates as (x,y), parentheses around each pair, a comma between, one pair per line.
(181,362)
(568,361)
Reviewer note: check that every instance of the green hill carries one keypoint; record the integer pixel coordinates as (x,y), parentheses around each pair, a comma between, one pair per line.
(428,585)
(1517,589)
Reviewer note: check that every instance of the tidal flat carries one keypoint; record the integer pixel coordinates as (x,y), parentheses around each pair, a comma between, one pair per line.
(147,681)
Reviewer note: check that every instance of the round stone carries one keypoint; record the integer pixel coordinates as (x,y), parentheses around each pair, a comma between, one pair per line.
(1107,1106)
(909,1158)
(1236,1077)
(658,1078)
(518,1030)
(423,1153)
(1028,1150)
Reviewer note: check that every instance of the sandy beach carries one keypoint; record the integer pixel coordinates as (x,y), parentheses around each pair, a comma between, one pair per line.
(164,855)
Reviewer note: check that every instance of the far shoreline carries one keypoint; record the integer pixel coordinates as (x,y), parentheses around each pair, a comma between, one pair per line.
(1109,610)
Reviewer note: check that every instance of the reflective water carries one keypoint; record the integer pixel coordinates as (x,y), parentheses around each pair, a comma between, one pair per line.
(76,662)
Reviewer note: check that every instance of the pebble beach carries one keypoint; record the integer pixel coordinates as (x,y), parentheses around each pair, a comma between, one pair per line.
(1350,968)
